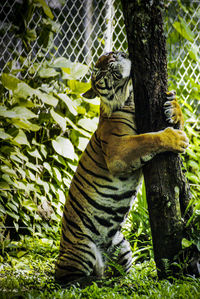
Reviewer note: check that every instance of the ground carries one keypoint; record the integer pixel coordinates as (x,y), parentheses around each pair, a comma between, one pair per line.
(27,268)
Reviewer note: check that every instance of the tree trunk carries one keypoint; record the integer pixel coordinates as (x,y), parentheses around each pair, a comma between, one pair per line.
(166,187)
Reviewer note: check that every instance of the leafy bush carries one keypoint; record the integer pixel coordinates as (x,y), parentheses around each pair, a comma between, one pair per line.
(45,125)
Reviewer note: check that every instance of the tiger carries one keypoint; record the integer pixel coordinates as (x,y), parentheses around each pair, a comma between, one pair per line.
(109,173)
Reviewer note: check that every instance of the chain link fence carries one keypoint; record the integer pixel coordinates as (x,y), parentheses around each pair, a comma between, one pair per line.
(83,30)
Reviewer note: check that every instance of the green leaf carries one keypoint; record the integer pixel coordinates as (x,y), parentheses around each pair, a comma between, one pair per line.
(9,81)
(62,62)
(13,215)
(193,52)
(21,253)
(82,143)
(89,124)
(4,135)
(20,155)
(16,225)
(21,138)
(47,98)
(75,72)
(183,29)
(59,119)
(12,206)
(70,104)
(29,205)
(46,9)
(23,90)
(25,124)
(78,87)
(57,174)
(7,113)
(8,170)
(34,153)
(61,196)
(64,147)
(47,166)
(33,167)
(193,178)
(4,186)
(76,128)
(193,165)
(31,175)
(186,243)
(23,112)
(47,73)
(7,179)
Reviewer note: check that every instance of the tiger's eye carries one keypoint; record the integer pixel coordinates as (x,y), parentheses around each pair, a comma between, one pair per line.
(100,82)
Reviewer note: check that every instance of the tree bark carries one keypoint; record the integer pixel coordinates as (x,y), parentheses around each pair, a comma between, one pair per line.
(166,187)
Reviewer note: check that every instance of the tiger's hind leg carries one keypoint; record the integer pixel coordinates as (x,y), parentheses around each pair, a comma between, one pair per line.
(69,268)
(125,256)
(119,259)
(81,262)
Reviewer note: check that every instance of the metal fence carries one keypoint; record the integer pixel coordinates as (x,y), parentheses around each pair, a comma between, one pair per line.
(84,29)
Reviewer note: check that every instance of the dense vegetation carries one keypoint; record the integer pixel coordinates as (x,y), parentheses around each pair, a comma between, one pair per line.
(40,117)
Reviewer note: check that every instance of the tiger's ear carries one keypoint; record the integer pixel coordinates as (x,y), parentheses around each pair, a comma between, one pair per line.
(89,94)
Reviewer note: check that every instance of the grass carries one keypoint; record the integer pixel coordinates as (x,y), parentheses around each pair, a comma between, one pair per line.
(27,268)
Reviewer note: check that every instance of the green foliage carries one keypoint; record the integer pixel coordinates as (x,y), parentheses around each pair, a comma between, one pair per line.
(45,125)
(28,273)
(185,36)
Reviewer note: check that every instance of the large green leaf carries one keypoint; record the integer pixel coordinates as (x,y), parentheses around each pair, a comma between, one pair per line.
(70,104)
(76,128)
(25,124)
(89,124)
(62,62)
(47,98)
(184,30)
(47,73)
(7,113)
(22,90)
(82,143)
(4,135)
(78,87)
(193,50)
(21,138)
(9,81)
(63,147)
(35,153)
(8,170)
(46,8)
(23,112)
(75,72)
(61,121)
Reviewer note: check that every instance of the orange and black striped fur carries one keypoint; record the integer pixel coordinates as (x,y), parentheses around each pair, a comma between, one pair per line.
(106,181)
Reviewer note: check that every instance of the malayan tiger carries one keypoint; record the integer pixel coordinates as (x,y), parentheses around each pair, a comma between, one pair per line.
(106,181)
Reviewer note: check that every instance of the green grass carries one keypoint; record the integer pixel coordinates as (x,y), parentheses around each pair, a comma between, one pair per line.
(27,268)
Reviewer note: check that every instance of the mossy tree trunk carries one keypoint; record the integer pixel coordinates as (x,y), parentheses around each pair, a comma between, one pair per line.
(166,187)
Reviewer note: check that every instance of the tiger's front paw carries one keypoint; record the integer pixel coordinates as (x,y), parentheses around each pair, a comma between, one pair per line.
(174,140)
(172,110)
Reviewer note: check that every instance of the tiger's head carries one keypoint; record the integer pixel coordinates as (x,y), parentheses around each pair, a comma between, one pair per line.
(111,81)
